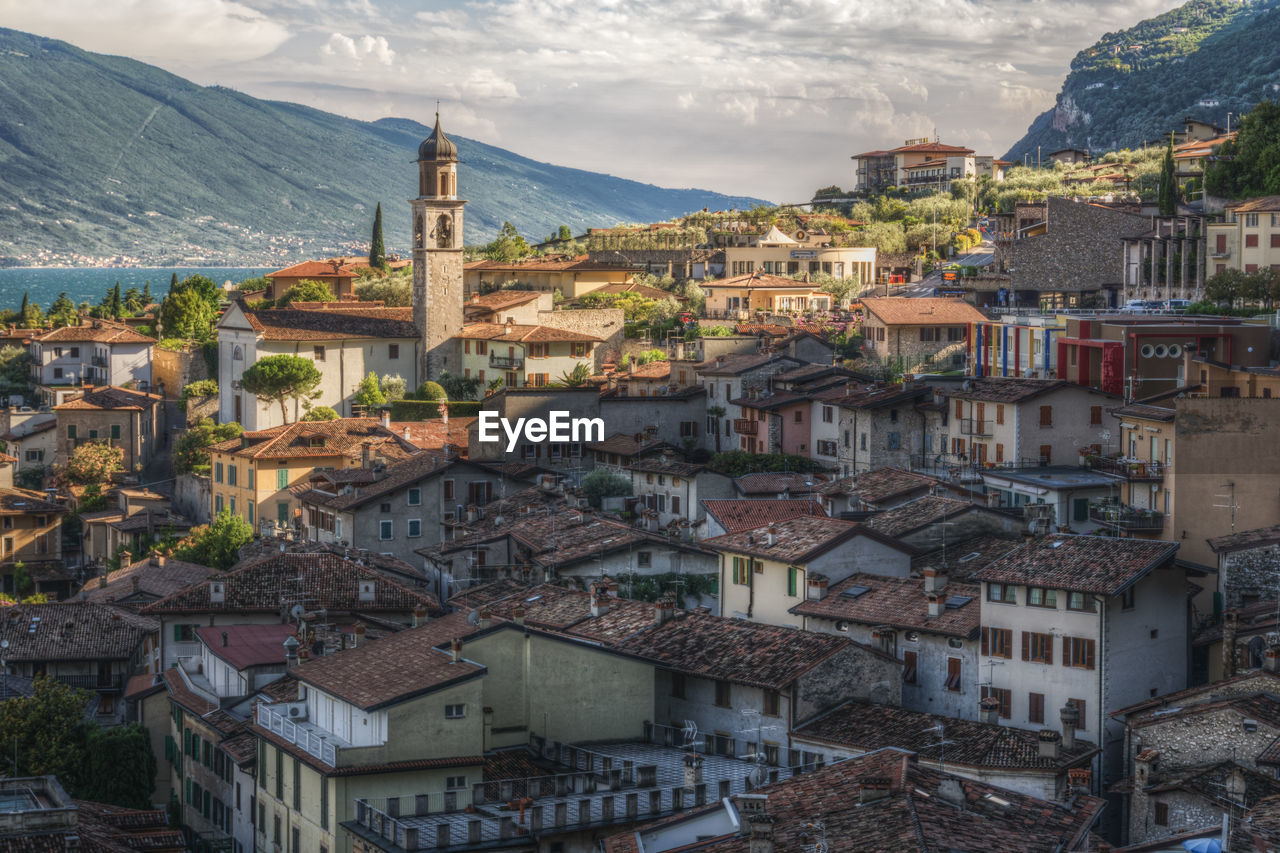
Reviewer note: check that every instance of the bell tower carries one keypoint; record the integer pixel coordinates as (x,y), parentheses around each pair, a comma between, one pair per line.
(437,254)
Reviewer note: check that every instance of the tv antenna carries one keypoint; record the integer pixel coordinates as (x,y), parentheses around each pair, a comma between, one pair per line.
(1230,498)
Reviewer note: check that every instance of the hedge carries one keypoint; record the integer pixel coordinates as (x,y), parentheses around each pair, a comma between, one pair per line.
(426,410)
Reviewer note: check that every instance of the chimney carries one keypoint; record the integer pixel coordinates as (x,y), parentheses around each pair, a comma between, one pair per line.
(386,419)
(817,587)
(1050,744)
(599,600)
(455,649)
(217,592)
(102,577)
(1080,780)
(872,789)
(934,580)
(357,634)
(224,639)
(485,619)
(771,538)
(989,711)
(290,652)
(1230,623)
(126,559)
(760,834)
(935,603)
(517,614)
(1143,764)
(1271,659)
(406,433)
(366,454)
(157,560)
(1070,716)
(443,409)
(419,615)
(631,367)
(664,609)
(692,769)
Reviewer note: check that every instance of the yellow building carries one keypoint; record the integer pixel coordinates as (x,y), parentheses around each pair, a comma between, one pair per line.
(742,296)
(522,355)
(776,253)
(252,474)
(31,536)
(571,277)
(1249,239)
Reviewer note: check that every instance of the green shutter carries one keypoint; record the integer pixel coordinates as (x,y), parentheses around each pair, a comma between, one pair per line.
(791,581)
(282,478)
(177,633)
(115,430)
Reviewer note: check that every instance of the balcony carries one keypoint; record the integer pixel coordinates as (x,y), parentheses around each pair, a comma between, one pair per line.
(506,362)
(98,361)
(316,741)
(93,682)
(1136,471)
(1120,517)
(746,426)
(970,426)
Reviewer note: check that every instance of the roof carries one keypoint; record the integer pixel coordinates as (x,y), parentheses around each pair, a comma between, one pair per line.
(25,501)
(437,146)
(1100,564)
(751,513)
(759,280)
(882,484)
(298,324)
(925,311)
(900,602)
(577,264)
(775,483)
(243,646)
(400,475)
(1246,540)
(917,514)
(627,444)
(660,369)
(150,577)
(110,397)
(95,331)
(394,669)
(1004,390)
(961,558)
(930,148)
(341,437)
(73,630)
(29,429)
(314,269)
(731,365)
(183,695)
(1270,202)
(436,433)
(1144,411)
(521,333)
(103,828)
(639,289)
(798,539)
(499,299)
(331,582)
(864,727)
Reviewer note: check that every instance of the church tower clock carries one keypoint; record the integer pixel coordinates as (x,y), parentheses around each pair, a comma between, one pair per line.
(437,254)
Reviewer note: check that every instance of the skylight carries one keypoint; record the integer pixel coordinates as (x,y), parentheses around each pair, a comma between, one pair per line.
(855,591)
(967,557)
(957,601)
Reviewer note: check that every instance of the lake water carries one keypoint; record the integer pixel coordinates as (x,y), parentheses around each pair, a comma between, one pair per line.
(81,284)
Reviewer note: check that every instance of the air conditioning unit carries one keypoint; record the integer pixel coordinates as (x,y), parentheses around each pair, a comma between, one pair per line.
(297,711)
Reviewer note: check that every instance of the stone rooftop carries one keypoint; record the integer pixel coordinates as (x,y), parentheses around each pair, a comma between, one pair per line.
(1098,564)
(900,602)
(750,513)
(798,539)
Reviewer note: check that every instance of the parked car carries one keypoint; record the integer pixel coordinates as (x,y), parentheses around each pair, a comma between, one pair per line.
(1140,306)
(1176,304)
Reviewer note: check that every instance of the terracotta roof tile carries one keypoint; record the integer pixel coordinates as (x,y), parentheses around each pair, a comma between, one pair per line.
(925,311)
(882,484)
(775,483)
(73,630)
(1099,564)
(751,513)
(1245,540)
(1005,390)
(180,693)
(919,513)
(342,437)
(26,502)
(96,331)
(732,365)
(757,280)
(797,540)
(111,397)
(314,269)
(291,324)
(880,600)
(517,333)
(156,577)
(961,558)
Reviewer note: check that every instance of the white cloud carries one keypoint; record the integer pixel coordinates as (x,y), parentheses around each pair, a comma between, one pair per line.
(357,50)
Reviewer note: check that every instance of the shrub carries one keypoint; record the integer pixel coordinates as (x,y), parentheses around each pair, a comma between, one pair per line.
(200,388)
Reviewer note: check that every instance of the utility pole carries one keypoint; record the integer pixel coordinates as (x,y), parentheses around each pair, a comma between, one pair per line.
(1230,497)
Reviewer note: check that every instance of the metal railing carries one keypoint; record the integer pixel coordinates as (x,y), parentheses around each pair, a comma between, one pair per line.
(1130,469)
(306,737)
(506,362)
(971,426)
(746,426)
(92,682)
(1122,517)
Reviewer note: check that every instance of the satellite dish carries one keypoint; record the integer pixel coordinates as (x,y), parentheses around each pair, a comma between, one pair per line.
(473,618)
(758,775)
(4,644)
(297,611)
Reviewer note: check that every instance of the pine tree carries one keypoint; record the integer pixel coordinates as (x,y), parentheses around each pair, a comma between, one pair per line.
(377,251)
(1168,199)
(146,292)
(173,282)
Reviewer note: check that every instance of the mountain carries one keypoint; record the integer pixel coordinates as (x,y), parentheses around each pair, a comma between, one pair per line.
(1204,59)
(103,156)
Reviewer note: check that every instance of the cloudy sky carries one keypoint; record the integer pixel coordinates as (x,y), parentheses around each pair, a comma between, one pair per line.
(757,97)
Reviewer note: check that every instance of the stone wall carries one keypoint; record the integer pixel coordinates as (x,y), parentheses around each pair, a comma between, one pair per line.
(857,673)
(606,323)
(177,369)
(191,497)
(199,408)
(1254,573)
(1080,251)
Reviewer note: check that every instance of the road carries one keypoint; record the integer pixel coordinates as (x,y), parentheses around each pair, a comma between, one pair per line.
(981,256)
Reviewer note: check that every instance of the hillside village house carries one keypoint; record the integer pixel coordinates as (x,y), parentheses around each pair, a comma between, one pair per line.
(776,253)
(524,355)
(873,426)
(345,343)
(730,516)
(501,306)
(674,490)
(930,163)
(1146,441)
(1248,240)
(340,278)
(130,420)
(31,534)
(32,441)
(743,295)
(95,352)
(731,377)
(925,333)
(570,278)
(1018,345)
(253,474)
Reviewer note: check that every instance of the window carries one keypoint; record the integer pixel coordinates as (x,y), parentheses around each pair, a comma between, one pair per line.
(771,754)
(959,408)
(297,841)
(324,804)
(909,667)
(742,570)
(953,674)
(1046,454)
(415,497)
(772,703)
(722,694)
(1080,601)
(71,430)
(688,429)
(644,559)
(1160,814)
(579,350)
(453,783)
(393,350)
(1079,706)
(455,712)
(1000,414)
(1078,652)
(863,441)
(793,580)
(217,472)
(678,685)
(1126,599)
(413,528)
(217,504)
(1046,416)
(997,642)
(1035,708)
(539,350)
(1003,593)
(828,414)
(1037,648)
(297,792)
(115,431)
(1095,415)
(384,529)
(895,441)
(319,353)
(1251,220)
(1003,696)
(57,373)
(231,471)
(275,828)
(799,416)
(928,334)
(282,478)
(1038,596)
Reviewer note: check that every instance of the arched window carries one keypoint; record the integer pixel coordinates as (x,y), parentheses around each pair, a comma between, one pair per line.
(419,233)
(444,232)
(237,354)
(444,183)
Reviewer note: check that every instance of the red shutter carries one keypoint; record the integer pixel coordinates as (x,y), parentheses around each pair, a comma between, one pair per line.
(1088,651)
(1048,648)
(959,408)
(1066,651)
(1026,645)
(986,643)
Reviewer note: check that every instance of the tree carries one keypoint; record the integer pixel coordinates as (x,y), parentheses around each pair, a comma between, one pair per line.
(188,315)
(431,391)
(603,483)
(573,379)
(146,293)
(217,544)
(508,247)
(15,370)
(563,234)
(114,303)
(120,767)
(735,463)
(92,463)
(320,413)
(190,451)
(1225,287)
(1249,165)
(369,394)
(695,296)
(31,316)
(49,731)
(280,378)
(840,289)
(1168,199)
(394,290)
(133,302)
(393,387)
(377,251)
(63,311)
(307,290)
(459,387)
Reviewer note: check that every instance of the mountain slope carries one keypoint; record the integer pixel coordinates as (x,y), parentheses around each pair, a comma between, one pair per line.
(102,155)
(1203,60)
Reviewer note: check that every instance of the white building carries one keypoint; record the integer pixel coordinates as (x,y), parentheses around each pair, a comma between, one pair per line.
(97,352)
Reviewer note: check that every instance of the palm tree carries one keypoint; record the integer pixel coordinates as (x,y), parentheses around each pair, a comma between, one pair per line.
(576,379)
(716,412)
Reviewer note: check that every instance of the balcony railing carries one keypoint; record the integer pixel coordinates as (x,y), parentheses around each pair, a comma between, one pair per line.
(98,361)
(746,426)
(1141,471)
(1121,517)
(970,426)
(308,737)
(92,682)
(506,362)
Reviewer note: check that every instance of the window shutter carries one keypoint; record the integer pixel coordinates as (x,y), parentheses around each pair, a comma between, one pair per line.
(177,633)
(986,641)
(1088,650)
(1066,651)
(1026,645)
(1048,649)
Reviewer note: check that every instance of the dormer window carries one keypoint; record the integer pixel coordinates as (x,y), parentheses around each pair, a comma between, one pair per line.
(315,441)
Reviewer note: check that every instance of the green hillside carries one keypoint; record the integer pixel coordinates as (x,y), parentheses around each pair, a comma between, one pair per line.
(1203,60)
(103,156)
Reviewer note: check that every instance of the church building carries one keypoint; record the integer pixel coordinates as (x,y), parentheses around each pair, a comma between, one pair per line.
(437,254)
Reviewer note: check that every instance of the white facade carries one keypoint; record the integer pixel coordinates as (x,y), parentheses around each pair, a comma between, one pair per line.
(77,362)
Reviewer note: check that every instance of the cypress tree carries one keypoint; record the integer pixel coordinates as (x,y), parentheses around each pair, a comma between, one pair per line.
(1168,199)
(377,251)
(22,312)
(173,283)
(146,292)
(114,306)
